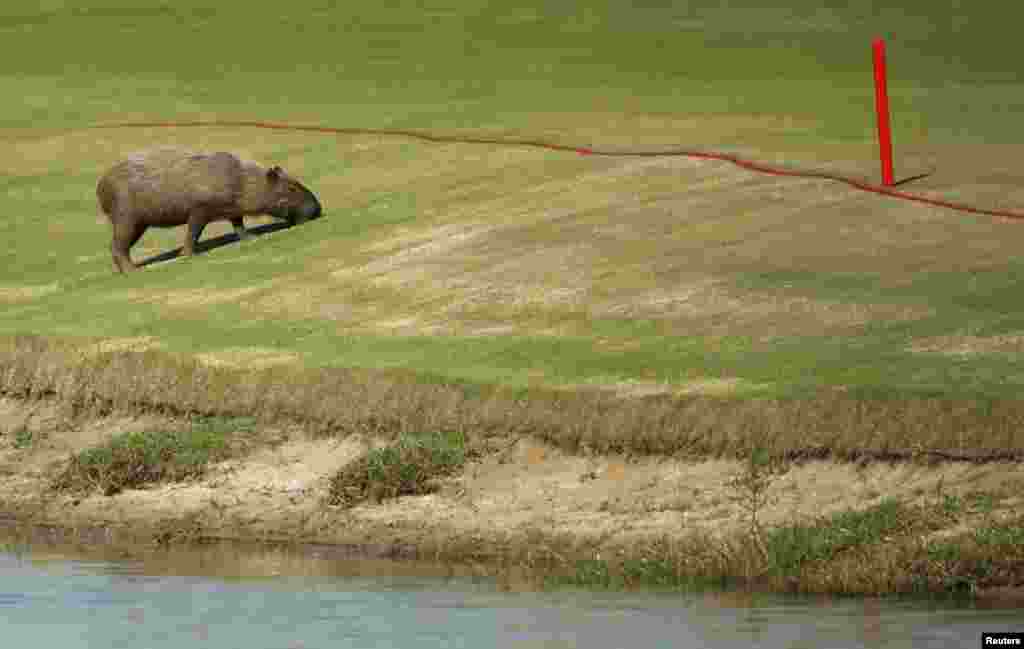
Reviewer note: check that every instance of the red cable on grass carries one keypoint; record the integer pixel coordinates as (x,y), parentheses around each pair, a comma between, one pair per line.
(746,164)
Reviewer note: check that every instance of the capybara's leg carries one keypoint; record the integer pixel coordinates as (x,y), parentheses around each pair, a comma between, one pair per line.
(239,224)
(125,236)
(196,223)
(198,233)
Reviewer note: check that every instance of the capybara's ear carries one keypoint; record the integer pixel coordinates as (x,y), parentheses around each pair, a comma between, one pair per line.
(274,173)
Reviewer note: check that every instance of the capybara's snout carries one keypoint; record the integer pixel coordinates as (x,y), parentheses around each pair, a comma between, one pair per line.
(307,211)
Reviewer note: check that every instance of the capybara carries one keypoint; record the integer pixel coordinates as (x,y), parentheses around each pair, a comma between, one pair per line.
(167,187)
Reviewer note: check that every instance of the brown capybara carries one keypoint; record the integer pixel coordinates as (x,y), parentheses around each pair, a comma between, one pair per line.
(167,187)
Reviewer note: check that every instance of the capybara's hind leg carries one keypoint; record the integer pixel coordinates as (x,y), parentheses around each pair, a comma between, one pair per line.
(126,235)
(239,225)
(197,234)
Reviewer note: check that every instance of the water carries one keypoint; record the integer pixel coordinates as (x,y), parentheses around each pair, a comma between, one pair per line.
(268,600)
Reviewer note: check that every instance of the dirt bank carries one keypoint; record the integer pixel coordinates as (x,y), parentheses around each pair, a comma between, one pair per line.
(519,498)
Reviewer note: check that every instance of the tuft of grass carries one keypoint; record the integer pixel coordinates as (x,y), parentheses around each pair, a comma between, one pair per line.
(409,466)
(874,551)
(18,548)
(224,425)
(134,459)
(991,555)
(658,573)
(792,546)
(23,438)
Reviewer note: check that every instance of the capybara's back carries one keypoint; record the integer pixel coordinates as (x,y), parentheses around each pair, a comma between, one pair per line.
(159,187)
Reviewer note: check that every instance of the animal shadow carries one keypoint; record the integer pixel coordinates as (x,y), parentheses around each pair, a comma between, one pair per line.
(216,242)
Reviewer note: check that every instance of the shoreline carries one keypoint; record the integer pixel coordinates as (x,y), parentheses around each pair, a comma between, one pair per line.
(591,520)
(360,559)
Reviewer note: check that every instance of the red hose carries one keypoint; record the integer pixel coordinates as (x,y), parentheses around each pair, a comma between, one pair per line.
(746,164)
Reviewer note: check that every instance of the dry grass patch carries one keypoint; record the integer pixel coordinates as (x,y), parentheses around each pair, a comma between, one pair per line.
(709,298)
(724,386)
(966,345)
(197,298)
(412,251)
(27,293)
(416,326)
(206,296)
(129,344)
(247,357)
(637,388)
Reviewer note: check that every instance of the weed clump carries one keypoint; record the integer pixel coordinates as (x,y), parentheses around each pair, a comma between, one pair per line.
(134,459)
(790,547)
(409,466)
(23,438)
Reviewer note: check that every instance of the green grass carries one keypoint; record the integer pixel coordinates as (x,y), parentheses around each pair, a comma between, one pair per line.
(990,554)
(791,546)
(655,574)
(131,460)
(465,63)
(409,466)
(23,438)
(883,549)
(797,76)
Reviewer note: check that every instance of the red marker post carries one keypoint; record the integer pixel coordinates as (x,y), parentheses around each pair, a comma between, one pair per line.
(882,109)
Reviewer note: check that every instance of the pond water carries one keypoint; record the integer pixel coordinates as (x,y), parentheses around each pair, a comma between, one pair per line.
(271,599)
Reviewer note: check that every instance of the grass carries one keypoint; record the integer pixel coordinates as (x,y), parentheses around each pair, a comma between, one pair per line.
(334,401)
(814,286)
(409,466)
(23,437)
(792,309)
(876,551)
(485,288)
(791,546)
(135,459)
(886,548)
(462,63)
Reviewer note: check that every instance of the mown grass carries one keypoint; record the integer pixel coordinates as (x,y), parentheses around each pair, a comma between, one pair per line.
(406,65)
(467,63)
(135,459)
(409,466)
(843,328)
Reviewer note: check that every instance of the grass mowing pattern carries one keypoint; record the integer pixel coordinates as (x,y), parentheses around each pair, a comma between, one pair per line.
(461,62)
(407,467)
(550,72)
(135,459)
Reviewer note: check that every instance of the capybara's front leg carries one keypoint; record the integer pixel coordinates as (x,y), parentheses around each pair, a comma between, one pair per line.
(196,223)
(125,236)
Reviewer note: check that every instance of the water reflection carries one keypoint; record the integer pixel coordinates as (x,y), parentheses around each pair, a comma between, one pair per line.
(224,597)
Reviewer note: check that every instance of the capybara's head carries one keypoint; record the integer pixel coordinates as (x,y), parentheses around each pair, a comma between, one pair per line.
(289,199)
